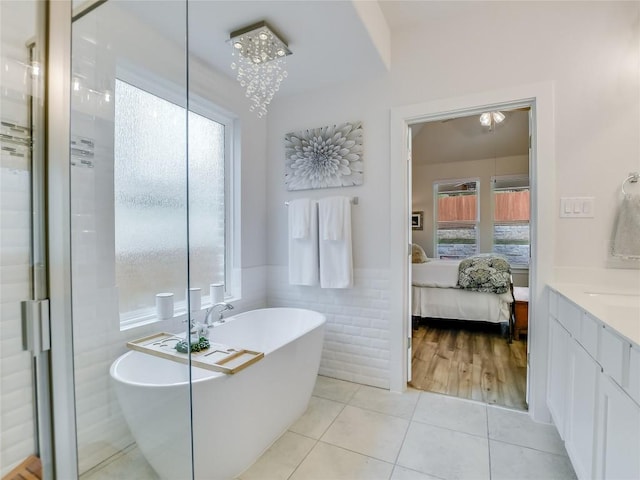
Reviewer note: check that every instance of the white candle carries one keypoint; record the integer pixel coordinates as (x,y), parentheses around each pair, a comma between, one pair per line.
(164,306)
(195,299)
(216,292)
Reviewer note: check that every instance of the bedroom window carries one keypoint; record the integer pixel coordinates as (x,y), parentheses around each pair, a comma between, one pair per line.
(150,201)
(511,219)
(456,217)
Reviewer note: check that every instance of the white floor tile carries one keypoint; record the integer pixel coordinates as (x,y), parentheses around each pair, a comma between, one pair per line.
(452,413)
(516,427)
(363,439)
(279,461)
(319,415)
(333,389)
(445,453)
(401,473)
(327,462)
(509,462)
(380,400)
(369,433)
(131,464)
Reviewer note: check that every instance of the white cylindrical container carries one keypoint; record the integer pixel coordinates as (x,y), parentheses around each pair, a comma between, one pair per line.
(195,299)
(216,292)
(164,306)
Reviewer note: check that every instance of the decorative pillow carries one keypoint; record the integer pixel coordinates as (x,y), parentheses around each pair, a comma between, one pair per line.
(417,254)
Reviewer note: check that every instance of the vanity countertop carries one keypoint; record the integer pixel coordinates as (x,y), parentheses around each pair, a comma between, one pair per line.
(619,308)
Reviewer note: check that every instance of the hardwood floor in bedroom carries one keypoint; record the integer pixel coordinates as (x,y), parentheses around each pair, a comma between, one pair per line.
(473,361)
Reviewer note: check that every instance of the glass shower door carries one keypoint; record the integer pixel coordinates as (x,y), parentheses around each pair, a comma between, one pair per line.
(129,238)
(24,356)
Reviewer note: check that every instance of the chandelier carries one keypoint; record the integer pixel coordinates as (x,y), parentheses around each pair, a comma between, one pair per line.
(259,59)
(491,119)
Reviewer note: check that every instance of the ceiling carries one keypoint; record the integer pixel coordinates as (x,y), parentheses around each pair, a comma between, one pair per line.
(332,43)
(329,41)
(462,139)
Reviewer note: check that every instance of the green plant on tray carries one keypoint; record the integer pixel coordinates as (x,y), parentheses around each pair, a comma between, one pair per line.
(183,346)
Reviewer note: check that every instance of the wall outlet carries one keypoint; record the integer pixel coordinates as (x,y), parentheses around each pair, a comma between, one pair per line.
(577,207)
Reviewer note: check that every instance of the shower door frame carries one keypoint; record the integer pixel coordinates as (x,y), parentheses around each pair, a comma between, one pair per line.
(58,128)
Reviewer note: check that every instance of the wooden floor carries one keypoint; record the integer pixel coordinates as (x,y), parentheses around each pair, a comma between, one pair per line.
(469,360)
(30,469)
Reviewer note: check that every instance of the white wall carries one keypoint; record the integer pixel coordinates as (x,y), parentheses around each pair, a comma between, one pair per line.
(356,340)
(588,50)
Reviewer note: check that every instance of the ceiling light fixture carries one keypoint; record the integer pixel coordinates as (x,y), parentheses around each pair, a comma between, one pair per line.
(259,58)
(491,119)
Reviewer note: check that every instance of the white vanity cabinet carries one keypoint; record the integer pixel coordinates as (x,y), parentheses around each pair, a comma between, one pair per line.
(593,389)
(618,433)
(558,370)
(582,389)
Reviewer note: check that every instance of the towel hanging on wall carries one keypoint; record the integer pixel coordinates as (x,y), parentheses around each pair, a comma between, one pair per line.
(303,242)
(626,230)
(336,257)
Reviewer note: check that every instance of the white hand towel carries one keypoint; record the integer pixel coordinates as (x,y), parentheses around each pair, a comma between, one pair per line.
(626,231)
(299,218)
(303,252)
(336,258)
(332,220)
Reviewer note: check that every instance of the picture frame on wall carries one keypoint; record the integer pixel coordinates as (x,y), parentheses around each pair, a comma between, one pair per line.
(416,220)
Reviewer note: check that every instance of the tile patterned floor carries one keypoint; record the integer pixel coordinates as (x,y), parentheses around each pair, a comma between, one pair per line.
(352,432)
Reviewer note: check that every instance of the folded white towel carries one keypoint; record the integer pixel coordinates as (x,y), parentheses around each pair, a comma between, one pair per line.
(299,217)
(336,258)
(626,231)
(303,252)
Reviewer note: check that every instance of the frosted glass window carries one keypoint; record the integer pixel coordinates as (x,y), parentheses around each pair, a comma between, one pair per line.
(150,195)
(206,202)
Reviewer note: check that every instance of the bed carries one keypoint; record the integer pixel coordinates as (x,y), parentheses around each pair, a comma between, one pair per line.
(436,293)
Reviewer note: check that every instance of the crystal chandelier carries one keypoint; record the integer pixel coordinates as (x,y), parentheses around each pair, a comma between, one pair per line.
(259,58)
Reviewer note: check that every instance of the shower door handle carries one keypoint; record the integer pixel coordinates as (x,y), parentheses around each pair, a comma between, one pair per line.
(36,329)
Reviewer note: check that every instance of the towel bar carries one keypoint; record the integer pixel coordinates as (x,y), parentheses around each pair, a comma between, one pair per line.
(632,178)
(353,200)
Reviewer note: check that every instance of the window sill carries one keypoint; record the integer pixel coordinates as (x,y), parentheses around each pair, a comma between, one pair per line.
(146,317)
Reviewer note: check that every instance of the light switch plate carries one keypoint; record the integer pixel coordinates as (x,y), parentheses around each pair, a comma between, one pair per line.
(577,207)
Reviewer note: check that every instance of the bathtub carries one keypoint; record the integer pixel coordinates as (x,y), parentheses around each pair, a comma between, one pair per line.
(235,417)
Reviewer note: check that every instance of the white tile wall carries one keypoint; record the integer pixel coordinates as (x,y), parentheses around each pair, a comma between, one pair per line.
(17,440)
(16,392)
(356,343)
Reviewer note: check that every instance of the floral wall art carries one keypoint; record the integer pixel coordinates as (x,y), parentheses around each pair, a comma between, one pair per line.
(324,157)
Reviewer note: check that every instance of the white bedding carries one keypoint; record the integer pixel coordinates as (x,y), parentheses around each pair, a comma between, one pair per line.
(435,273)
(434,295)
(453,303)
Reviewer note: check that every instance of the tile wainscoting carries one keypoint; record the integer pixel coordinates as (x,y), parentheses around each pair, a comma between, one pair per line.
(356,341)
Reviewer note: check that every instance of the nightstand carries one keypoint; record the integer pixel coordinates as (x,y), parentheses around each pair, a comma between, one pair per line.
(521,296)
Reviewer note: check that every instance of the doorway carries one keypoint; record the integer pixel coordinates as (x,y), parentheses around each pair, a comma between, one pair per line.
(470,195)
(539,96)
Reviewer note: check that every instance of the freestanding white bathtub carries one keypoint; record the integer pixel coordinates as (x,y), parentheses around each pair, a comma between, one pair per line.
(235,417)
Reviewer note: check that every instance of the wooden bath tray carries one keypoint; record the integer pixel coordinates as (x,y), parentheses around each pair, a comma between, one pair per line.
(218,357)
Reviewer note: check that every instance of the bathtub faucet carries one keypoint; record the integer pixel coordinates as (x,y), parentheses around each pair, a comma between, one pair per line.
(222,306)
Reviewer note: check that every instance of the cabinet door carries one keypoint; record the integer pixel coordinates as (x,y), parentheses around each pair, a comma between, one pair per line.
(581,409)
(557,378)
(618,442)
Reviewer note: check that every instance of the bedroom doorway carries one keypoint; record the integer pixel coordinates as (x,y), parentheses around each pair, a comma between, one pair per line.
(469,195)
